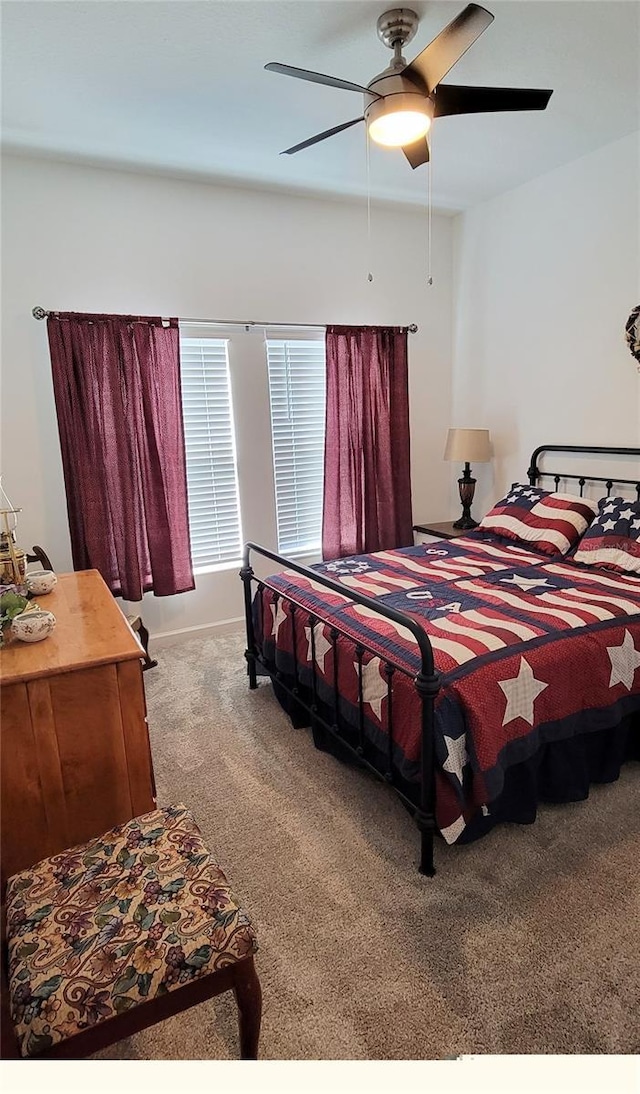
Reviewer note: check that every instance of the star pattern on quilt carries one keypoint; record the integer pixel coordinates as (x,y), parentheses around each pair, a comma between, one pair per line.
(279,615)
(619,514)
(521,692)
(625,659)
(518,492)
(457,755)
(322,644)
(348,566)
(374,685)
(527,583)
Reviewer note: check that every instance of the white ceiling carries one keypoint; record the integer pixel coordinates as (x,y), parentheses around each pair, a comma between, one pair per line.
(180,87)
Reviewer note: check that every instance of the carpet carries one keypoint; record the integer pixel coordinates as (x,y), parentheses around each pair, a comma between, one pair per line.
(525,942)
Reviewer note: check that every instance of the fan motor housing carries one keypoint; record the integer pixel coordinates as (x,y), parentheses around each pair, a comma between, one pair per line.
(392,91)
(393,81)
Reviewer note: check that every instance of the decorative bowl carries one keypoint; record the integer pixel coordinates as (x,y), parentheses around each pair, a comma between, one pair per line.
(41,582)
(33,626)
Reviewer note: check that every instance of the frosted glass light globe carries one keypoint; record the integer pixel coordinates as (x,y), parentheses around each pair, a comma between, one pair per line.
(399,128)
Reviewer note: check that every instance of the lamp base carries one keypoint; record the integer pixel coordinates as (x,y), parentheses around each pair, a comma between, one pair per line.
(466,487)
(466,523)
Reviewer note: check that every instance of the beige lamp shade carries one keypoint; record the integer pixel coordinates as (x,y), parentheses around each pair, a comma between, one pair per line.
(468,446)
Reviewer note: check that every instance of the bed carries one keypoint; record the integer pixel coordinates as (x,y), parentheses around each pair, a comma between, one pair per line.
(475,676)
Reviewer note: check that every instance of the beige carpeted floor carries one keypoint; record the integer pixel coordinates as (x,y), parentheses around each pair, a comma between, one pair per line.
(526,942)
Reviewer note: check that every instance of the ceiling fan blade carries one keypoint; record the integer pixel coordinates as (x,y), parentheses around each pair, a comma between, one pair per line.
(456,99)
(320,137)
(317,78)
(441,54)
(418,152)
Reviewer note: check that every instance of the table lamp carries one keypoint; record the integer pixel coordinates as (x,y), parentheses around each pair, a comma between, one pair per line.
(465,446)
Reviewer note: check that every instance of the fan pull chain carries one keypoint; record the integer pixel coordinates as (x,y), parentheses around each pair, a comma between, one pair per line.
(429,204)
(369,274)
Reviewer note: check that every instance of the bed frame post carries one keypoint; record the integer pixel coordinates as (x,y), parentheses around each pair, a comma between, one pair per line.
(532,471)
(247,576)
(427,686)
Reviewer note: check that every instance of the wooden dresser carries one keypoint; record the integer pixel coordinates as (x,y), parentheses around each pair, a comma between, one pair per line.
(75,756)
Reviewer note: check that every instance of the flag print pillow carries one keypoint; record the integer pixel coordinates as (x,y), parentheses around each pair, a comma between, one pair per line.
(548,522)
(613,540)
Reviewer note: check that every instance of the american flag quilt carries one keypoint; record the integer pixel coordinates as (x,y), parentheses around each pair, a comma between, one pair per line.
(529,651)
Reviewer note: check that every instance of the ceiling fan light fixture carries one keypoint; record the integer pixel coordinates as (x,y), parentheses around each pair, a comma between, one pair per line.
(399,119)
(401,127)
(400,102)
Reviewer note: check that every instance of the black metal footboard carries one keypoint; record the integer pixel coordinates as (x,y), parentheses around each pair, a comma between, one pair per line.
(427,684)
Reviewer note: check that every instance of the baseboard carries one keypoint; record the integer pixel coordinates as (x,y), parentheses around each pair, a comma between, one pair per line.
(202,630)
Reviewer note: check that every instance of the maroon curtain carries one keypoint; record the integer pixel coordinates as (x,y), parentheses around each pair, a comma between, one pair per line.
(116,381)
(367,475)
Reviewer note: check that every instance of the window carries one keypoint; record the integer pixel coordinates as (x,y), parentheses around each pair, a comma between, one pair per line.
(297,394)
(212,479)
(296,378)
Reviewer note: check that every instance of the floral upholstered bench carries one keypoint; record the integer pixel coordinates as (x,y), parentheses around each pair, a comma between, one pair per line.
(112,936)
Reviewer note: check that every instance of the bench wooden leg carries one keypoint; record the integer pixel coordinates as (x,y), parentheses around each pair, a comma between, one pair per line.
(248,995)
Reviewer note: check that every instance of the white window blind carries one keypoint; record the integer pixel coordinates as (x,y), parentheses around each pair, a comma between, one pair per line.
(212,479)
(297,392)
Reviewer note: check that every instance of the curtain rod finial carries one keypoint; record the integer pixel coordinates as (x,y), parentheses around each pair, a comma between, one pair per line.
(39,313)
(413,328)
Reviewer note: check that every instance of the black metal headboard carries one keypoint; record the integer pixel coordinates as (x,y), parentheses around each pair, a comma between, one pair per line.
(535,473)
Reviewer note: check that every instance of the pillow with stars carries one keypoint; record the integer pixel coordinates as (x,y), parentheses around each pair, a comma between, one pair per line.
(541,520)
(613,540)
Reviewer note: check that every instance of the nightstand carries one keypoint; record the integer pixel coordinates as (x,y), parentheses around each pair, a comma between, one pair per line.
(439,531)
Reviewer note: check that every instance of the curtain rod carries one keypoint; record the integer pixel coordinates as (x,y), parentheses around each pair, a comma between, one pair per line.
(40,313)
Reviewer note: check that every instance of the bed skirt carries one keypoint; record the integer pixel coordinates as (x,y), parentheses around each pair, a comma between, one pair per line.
(559,772)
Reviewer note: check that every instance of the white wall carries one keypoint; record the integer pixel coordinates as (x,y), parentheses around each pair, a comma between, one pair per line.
(86,239)
(545,278)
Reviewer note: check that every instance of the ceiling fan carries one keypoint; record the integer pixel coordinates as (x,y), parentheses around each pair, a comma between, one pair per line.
(401,102)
